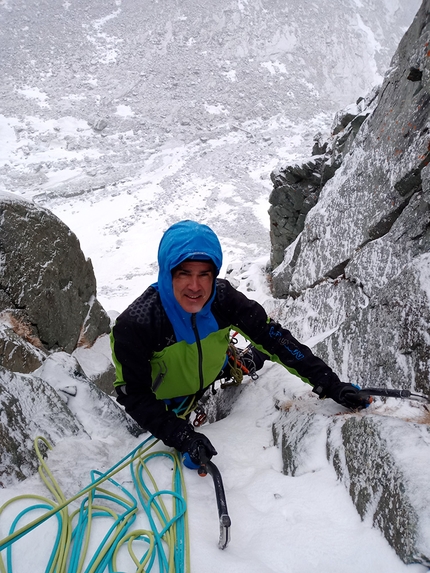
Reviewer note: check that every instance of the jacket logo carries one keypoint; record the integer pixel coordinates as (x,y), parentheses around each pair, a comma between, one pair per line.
(283,341)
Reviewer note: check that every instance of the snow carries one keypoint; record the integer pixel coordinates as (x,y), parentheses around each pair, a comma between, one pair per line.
(279,524)
(118,191)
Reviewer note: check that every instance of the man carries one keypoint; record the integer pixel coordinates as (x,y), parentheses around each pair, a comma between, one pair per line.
(170,344)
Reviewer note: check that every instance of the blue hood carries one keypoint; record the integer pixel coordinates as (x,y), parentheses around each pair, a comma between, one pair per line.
(186,240)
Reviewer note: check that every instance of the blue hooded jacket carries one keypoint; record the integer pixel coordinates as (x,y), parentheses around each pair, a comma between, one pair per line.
(187,240)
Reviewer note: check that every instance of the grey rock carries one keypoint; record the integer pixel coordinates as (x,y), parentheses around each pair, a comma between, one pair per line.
(45,275)
(297,187)
(20,349)
(375,458)
(386,488)
(91,405)
(386,343)
(100,124)
(218,405)
(356,287)
(29,407)
(96,364)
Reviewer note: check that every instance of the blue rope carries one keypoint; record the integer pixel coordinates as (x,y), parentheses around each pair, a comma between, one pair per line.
(151,505)
(121,507)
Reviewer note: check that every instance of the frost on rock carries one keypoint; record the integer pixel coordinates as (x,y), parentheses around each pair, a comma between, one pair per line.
(356,288)
(387,343)
(391,487)
(353,275)
(29,407)
(97,411)
(383,462)
(46,278)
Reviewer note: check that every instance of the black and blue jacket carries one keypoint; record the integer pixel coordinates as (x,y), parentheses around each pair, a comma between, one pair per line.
(162,352)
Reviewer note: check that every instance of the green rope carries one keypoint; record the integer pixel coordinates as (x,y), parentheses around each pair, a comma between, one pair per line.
(168,540)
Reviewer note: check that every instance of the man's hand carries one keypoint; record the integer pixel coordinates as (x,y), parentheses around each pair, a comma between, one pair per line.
(349,396)
(198,447)
(343,393)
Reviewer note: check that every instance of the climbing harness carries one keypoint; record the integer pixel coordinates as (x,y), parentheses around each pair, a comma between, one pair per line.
(208,467)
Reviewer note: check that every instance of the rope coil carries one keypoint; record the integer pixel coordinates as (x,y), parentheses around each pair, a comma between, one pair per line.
(165,542)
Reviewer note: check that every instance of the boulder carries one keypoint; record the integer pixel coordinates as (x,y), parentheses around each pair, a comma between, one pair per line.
(46,277)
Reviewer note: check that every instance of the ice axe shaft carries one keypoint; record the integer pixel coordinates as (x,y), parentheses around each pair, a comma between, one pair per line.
(208,467)
(391,393)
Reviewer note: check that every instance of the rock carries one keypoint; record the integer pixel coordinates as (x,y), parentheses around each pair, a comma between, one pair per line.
(375,457)
(89,404)
(20,349)
(380,190)
(298,187)
(387,489)
(29,407)
(386,342)
(355,283)
(96,364)
(99,125)
(219,405)
(415,75)
(46,276)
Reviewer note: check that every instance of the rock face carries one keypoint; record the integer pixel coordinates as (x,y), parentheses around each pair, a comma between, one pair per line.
(56,402)
(375,456)
(48,308)
(297,187)
(29,407)
(361,263)
(47,288)
(356,284)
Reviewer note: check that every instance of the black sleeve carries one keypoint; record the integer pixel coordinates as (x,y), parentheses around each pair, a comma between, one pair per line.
(132,348)
(250,318)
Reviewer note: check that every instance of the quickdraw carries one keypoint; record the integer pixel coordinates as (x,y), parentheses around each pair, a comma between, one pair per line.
(237,364)
(200,418)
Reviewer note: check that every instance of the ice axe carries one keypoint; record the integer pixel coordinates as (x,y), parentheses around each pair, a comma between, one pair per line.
(392,393)
(208,467)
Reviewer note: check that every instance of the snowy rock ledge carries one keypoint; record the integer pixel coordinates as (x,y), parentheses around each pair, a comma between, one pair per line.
(48,309)
(381,459)
(56,402)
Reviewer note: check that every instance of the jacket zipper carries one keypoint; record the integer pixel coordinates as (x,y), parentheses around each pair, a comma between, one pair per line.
(199,348)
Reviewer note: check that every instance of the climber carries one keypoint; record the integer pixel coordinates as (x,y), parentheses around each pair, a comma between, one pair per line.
(171,343)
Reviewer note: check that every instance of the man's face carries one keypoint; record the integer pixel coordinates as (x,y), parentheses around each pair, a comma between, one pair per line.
(192,284)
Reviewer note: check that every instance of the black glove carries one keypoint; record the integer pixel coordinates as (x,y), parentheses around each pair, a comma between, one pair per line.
(199,448)
(343,393)
(196,445)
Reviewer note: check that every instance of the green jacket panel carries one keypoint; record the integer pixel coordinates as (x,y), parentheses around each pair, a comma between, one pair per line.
(175,370)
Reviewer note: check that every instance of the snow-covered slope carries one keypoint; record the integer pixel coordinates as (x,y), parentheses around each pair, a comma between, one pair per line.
(199,103)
